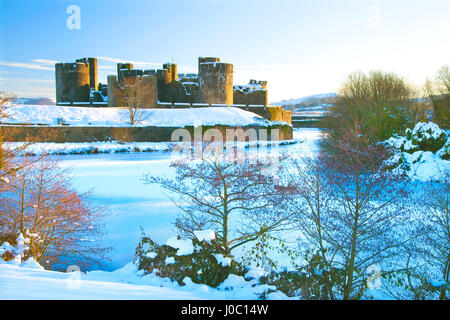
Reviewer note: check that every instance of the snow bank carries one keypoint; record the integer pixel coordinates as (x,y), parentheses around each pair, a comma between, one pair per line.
(224,261)
(20,282)
(5,247)
(422,165)
(32,264)
(91,147)
(31,281)
(184,247)
(255,273)
(249,289)
(416,152)
(426,130)
(119,117)
(151,255)
(68,148)
(205,235)
(28,280)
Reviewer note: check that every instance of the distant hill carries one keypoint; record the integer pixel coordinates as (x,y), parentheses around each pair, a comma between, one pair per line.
(323,99)
(36,101)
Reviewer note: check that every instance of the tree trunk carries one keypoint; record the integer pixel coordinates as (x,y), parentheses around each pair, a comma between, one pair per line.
(351,264)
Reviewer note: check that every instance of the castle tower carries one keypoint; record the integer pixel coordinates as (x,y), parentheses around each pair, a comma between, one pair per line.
(216,81)
(72,82)
(123,68)
(151,84)
(172,71)
(93,77)
(112,86)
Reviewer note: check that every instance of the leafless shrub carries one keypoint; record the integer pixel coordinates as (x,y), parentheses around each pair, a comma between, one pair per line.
(39,199)
(239,200)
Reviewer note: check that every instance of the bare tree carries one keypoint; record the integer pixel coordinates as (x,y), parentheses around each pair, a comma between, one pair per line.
(379,101)
(240,201)
(8,165)
(438,91)
(41,201)
(443,80)
(351,209)
(426,272)
(6,99)
(433,246)
(310,200)
(366,221)
(135,93)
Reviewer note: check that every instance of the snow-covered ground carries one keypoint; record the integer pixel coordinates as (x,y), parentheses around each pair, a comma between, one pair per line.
(119,117)
(127,282)
(30,281)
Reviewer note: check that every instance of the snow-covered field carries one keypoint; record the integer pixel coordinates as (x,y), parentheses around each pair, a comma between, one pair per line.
(119,117)
(30,281)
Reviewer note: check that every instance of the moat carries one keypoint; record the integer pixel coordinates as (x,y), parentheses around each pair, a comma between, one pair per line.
(130,204)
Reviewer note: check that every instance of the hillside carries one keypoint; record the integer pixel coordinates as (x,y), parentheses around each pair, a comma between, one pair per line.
(36,101)
(119,117)
(308,101)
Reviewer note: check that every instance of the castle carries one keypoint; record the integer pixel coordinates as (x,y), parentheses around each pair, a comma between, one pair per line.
(77,84)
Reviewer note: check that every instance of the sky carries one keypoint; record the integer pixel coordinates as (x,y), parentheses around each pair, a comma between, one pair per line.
(301,47)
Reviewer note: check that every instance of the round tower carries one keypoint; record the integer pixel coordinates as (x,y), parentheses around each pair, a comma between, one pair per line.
(112,87)
(216,82)
(72,82)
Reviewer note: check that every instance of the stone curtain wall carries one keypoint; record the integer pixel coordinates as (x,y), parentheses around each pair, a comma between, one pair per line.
(258,97)
(136,134)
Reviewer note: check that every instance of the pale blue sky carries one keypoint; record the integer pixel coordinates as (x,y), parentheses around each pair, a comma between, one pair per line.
(301,47)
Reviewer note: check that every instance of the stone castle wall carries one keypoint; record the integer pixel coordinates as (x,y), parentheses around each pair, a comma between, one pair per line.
(216,82)
(137,134)
(255,97)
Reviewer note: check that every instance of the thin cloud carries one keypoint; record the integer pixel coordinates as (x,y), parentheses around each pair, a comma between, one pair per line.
(45,61)
(25,79)
(438,23)
(118,60)
(31,91)
(183,68)
(25,65)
